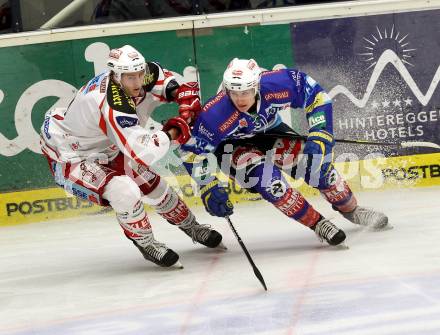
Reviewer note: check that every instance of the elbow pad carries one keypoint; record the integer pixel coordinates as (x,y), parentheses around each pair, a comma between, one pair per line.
(155,147)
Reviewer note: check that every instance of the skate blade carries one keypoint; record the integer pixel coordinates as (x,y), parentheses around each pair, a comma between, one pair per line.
(177,265)
(383,228)
(221,246)
(341,246)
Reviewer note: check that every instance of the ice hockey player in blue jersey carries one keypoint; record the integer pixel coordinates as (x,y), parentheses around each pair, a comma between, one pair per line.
(242,127)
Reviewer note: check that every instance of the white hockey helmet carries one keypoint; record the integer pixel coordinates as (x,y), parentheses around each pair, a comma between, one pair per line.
(125,59)
(241,75)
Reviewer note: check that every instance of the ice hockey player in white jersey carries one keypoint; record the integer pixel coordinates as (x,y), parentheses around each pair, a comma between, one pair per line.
(99,150)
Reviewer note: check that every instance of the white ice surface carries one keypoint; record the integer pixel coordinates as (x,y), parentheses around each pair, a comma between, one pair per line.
(81,276)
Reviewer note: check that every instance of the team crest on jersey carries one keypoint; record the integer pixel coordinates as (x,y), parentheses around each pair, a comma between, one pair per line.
(243,123)
(126,122)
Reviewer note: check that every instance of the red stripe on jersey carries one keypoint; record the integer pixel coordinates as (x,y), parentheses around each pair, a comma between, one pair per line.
(58,117)
(102,125)
(102,103)
(123,139)
(45,153)
(159,82)
(168,74)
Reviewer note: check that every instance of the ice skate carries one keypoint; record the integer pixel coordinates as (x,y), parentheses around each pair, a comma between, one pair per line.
(203,234)
(325,230)
(368,217)
(158,253)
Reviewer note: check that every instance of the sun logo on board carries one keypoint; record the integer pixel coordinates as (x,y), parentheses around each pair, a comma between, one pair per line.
(379,41)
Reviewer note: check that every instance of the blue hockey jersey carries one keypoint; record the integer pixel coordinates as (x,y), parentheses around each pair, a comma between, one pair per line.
(280,90)
(283,89)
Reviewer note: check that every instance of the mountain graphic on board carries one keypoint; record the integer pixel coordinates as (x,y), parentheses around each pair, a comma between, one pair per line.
(389,57)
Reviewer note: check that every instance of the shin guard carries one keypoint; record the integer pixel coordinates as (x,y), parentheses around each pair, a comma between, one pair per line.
(275,189)
(338,193)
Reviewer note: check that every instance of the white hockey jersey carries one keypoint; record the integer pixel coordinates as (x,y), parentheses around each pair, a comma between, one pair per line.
(102,121)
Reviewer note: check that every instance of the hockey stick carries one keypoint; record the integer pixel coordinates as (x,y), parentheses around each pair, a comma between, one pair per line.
(254,267)
(404,144)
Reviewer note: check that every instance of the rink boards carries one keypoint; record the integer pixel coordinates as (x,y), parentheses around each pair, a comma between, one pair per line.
(375,62)
(366,175)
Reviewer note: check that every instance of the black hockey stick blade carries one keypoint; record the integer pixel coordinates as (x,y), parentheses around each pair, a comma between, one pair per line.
(246,252)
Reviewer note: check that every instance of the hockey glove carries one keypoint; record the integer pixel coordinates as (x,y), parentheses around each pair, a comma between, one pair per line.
(318,151)
(178,129)
(216,200)
(187,96)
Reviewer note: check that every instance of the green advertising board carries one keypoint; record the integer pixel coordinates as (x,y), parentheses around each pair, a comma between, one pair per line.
(215,48)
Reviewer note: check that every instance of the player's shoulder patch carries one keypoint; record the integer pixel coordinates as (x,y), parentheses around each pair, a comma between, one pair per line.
(93,84)
(152,72)
(278,81)
(118,100)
